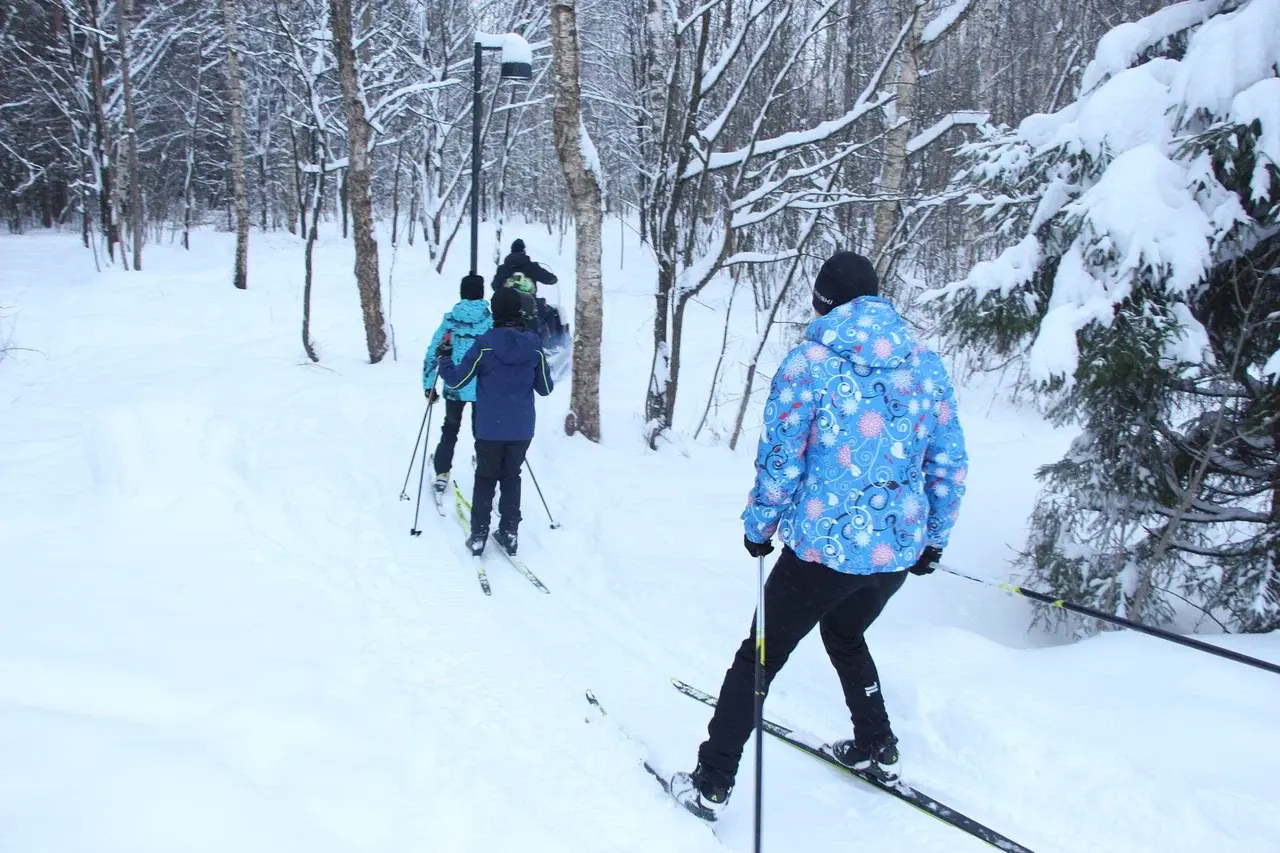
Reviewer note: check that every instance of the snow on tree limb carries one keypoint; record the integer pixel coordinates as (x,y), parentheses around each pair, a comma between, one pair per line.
(946,20)
(956,119)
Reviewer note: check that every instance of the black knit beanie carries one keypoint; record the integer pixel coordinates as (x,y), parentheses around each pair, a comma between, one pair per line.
(505,306)
(843,278)
(517,247)
(472,287)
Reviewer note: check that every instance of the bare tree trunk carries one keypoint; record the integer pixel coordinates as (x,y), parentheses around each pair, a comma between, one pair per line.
(101,146)
(410,224)
(357,182)
(395,197)
(656,414)
(893,172)
(307,256)
(191,148)
(229,16)
(344,197)
(295,183)
(572,147)
(124,8)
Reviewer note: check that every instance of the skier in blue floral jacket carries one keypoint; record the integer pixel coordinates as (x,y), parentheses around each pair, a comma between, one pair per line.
(466,321)
(860,471)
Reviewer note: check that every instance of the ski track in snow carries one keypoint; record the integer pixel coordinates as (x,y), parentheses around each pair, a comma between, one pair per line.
(216,633)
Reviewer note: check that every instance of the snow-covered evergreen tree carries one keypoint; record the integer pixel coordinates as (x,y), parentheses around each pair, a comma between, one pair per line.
(1141,284)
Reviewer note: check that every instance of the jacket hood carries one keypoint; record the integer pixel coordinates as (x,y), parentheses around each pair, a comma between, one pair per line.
(516,259)
(513,346)
(868,332)
(471,315)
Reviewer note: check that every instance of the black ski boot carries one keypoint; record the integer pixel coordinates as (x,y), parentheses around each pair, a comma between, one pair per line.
(475,543)
(878,759)
(703,792)
(506,539)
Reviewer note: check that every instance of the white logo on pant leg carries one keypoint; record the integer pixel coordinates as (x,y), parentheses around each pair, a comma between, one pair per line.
(874,688)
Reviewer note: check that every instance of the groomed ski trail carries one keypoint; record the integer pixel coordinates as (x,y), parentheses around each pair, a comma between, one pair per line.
(215,628)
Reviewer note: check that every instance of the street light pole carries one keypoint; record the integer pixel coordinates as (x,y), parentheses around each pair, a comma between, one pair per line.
(517,64)
(477,70)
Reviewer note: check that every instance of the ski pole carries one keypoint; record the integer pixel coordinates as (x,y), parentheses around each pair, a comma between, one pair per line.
(422,472)
(404,490)
(759,699)
(554,523)
(1115,620)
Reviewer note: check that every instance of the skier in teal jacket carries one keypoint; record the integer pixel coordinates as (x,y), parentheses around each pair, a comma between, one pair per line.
(467,320)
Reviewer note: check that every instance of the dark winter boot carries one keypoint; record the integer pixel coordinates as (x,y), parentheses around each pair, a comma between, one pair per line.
(475,543)
(703,792)
(878,759)
(440,483)
(506,538)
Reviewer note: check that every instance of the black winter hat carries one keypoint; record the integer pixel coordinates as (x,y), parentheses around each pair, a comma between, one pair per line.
(517,247)
(472,287)
(505,305)
(843,278)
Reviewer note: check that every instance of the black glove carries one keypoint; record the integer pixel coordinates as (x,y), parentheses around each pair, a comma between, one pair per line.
(924,565)
(432,395)
(445,350)
(758,549)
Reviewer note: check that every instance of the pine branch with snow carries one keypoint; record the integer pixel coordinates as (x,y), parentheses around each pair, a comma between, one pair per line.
(1141,287)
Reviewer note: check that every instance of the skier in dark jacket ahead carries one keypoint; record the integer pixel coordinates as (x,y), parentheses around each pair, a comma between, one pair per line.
(519,261)
(508,366)
(520,272)
(860,470)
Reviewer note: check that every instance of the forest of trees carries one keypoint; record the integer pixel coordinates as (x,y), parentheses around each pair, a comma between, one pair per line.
(808,124)
(741,138)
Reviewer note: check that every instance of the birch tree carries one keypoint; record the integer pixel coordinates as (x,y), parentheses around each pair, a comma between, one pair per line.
(124,11)
(358,179)
(581,167)
(235,97)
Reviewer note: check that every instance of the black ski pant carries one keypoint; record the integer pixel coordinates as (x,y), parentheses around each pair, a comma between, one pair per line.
(497,464)
(449,434)
(797,596)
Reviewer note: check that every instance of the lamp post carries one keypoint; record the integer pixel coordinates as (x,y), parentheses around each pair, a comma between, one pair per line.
(517,64)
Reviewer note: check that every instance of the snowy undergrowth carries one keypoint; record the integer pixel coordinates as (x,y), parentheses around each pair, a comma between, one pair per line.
(216,633)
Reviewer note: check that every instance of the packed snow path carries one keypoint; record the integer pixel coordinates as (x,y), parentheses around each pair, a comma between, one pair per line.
(216,633)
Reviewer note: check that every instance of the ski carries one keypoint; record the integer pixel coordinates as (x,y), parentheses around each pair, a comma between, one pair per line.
(820,750)
(658,776)
(458,503)
(520,567)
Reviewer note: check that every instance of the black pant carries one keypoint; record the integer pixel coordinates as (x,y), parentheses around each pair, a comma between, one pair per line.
(449,434)
(497,462)
(797,596)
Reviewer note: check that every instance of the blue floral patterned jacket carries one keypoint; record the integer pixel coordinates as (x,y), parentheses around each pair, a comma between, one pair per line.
(862,460)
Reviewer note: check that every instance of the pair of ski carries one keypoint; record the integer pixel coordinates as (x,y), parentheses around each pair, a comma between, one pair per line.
(818,749)
(463,509)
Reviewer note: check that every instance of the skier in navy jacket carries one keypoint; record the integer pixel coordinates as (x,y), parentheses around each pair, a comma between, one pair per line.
(507,366)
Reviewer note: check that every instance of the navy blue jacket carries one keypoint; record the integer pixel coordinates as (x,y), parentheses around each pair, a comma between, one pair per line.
(508,366)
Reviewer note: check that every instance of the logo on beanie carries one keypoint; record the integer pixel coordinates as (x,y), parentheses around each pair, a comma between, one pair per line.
(824,300)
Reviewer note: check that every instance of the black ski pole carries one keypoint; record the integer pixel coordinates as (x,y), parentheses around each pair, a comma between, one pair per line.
(422,472)
(404,490)
(554,523)
(759,700)
(1115,620)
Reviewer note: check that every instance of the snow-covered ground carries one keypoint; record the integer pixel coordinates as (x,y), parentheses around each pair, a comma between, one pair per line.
(217,634)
